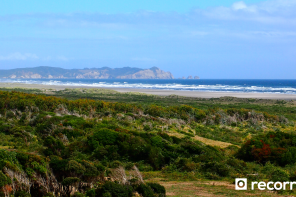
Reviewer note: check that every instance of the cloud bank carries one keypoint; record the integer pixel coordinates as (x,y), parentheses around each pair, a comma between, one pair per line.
(20,56)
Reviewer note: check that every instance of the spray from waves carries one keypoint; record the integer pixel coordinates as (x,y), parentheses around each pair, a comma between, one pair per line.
(164,86)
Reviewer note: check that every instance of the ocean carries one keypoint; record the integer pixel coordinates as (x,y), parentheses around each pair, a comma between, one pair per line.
(210,85)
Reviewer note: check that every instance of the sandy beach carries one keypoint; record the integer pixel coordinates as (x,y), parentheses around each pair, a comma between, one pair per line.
(197,94)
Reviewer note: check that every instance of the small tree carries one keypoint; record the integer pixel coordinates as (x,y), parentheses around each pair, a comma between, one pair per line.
(69,184)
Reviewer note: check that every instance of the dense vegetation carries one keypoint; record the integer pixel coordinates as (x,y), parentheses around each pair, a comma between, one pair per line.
(88,147)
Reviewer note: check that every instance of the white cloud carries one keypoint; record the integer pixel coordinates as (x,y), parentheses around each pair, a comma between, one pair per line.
(242,6)
(31,56)
(274,33)
(20,56)
(59,57)
(239,5)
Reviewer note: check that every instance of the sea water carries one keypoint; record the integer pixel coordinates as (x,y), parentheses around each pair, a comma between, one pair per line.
(210,85)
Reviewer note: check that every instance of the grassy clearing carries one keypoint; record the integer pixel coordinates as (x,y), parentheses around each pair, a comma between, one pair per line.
(5,147)
(212,142)
(210,188)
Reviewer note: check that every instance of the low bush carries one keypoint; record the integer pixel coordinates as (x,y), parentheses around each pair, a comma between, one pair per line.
(145,190)
(158,189)
(114,189)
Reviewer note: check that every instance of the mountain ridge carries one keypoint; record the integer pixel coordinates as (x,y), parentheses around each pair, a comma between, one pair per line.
(46,72)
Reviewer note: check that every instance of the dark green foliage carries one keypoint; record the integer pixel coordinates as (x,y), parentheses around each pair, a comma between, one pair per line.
(9,159)
(129,165)
(54,146)
(114,190)
(90,193)
(115,164)
(289,157)
(4,180)
(58,164)
(157,141)
(104,137)
(279,175)
(70,181)
(77,194)
(75,168)
(237,164)
(218,168)
(158,189)
(10,114)
(32,163)
(4,127)
(22,194)
(156,158)
(145,190)
(49,195)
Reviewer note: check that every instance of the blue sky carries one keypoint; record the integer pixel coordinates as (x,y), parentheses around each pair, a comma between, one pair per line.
(212,39)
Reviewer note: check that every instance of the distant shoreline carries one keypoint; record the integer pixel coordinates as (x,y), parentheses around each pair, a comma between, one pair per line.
(196,94)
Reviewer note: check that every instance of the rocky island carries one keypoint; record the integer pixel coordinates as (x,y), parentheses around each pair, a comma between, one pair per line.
(44,72)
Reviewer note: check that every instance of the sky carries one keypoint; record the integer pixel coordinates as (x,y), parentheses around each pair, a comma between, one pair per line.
(213,39)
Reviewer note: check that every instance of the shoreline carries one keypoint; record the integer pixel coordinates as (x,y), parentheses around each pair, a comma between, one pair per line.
(196,94)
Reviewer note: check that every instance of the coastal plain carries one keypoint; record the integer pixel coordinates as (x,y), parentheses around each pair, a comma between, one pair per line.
(196,143)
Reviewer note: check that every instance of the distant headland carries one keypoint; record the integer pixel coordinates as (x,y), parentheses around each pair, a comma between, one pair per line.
(44,72)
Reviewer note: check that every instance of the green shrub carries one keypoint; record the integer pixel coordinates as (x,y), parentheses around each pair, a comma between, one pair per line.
(49,195)
(156,159)
(147,128)
(220,169)
(157,141)
(279,175)
(115,164)
(107,194)
(129,165)
(10,114)
(90,193)
(75,168)
(145,190)
(212,176)
(185,165)
(4,180)
(114,189)
(54,146)
(289,157)
(104,137)
(237,164)
(143,167)
(158,189)
(70,181)
(77,194)
(22,194)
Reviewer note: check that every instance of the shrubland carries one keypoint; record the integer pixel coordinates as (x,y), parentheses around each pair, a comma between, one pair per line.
(106,145)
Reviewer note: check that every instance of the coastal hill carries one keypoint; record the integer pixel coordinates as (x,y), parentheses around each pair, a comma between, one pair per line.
(44,72)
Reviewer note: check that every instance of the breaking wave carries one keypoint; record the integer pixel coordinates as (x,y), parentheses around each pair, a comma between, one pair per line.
(189,85)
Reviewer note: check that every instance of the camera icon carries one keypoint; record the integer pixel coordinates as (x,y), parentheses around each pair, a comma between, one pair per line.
(241,184)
